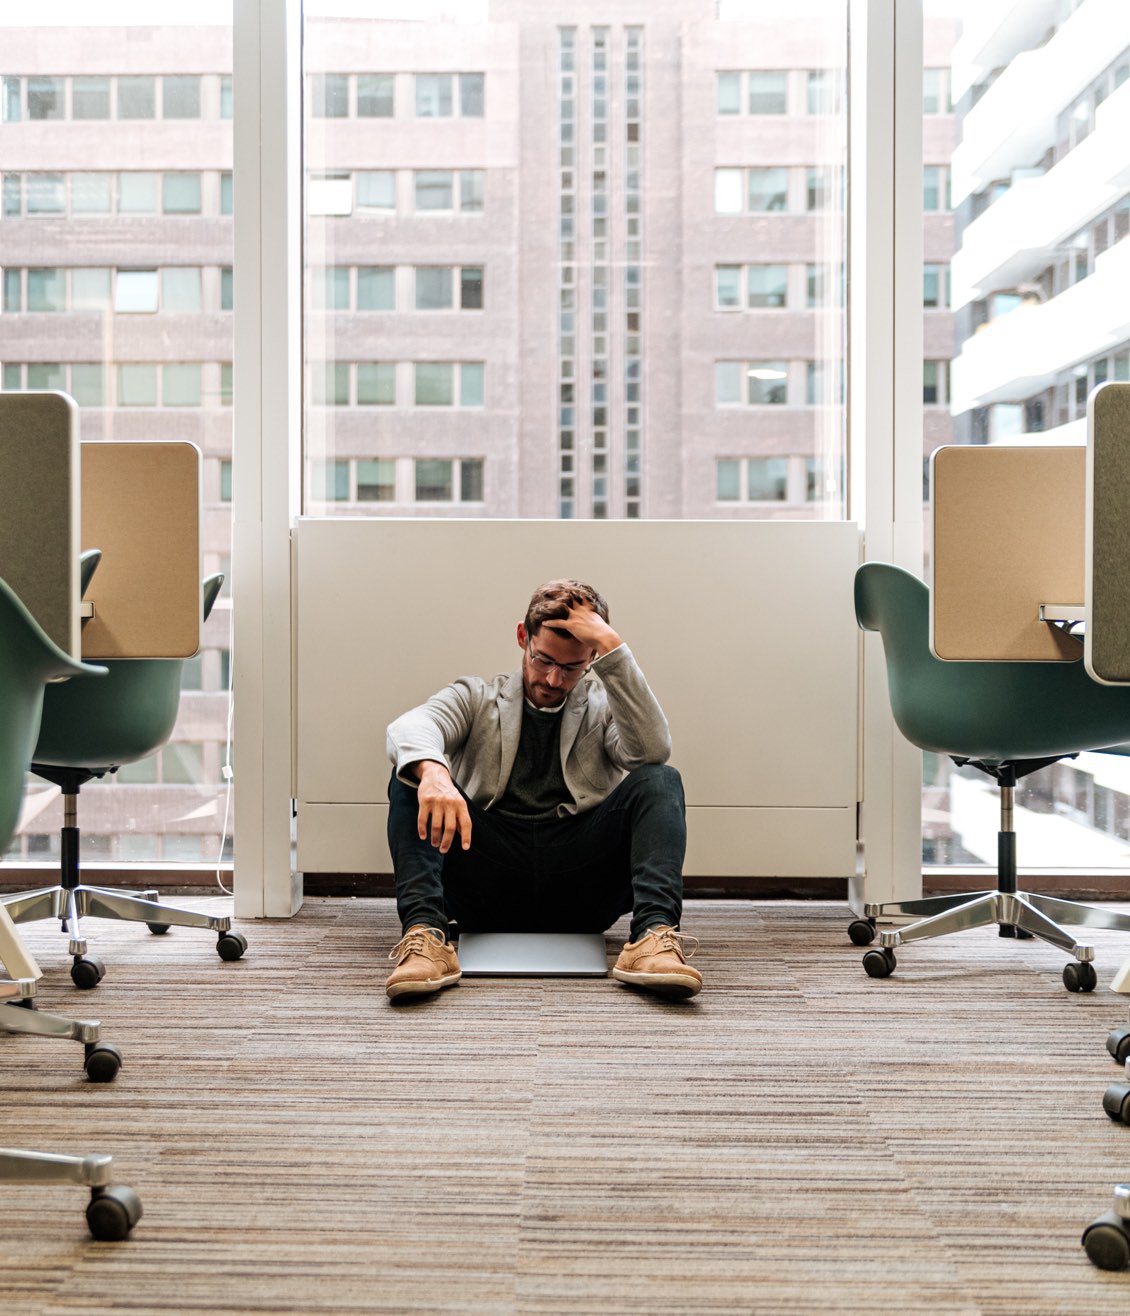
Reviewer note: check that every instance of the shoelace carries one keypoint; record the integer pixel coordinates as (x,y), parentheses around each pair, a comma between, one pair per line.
(413,943)
(669,939)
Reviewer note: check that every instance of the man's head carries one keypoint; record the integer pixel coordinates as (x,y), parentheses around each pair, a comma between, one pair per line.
(553,661)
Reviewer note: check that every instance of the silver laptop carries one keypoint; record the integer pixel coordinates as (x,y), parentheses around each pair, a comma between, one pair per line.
(533,954)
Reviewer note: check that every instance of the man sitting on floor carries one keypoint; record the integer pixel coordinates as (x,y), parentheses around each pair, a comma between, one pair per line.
(554,781)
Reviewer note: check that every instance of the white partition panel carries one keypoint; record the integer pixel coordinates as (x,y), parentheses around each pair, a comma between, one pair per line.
(746,632)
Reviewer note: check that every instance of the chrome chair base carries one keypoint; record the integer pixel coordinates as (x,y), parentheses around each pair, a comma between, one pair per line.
(101,1060)
(1017,913)
(1041,916)
(71,905)
(113,1211)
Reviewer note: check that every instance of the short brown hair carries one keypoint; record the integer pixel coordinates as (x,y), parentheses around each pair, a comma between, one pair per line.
(551,602)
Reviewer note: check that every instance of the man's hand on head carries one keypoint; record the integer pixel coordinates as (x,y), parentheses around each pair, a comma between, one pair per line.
(443,810)
(587,626)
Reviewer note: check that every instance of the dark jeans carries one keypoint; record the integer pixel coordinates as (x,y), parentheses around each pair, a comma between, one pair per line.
(574,874)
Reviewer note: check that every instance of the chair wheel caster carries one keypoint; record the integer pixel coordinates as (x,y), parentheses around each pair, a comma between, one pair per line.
(1079,976)
(158,929)
(1106,1242)
(103,1060)
(1118,1044)
(861,931)
(231,945)
(1116,1102)
(112,1213)
(880,963)
(87,971)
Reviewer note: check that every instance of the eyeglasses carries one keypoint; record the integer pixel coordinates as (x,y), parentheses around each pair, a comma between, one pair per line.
(547,665)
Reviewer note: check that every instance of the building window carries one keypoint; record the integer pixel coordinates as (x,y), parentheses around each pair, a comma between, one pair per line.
(727,480)
(376,288)
(91,290)
(768,189)
(137,386)
(46,194)
(727,383)
(137,98)
(446,384)
(728,287)
(329,385)
(935,286)
(180,385)
(470,481)
(225,96)
(135,291)
(728,93)
(768,92)
(42,376)
(472,186)
(90,98)
(472,95)
(823,92)
(137,194)
(434,481)
(180,194)
(820,189)
(46,290)
(330,481)
(13,100)
(935,188)
(433,96)
(329,96)
(88,384)
(444,480)
(471,288)
(767,479)
(727,191)
(46,98)
(376,480)
(936,91)
(434,288)
(435,385)
(375,189)
(180,97)
(329,288)
(435,189)
(91,194)
(767,383)
(180,289)
(376,384)
(767,285)
(375,95)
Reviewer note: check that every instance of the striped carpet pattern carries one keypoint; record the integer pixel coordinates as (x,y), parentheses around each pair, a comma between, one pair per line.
(799,1138)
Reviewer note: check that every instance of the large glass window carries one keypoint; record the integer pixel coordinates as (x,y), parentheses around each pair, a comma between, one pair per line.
(114,153)
(627,245)
(1029,217)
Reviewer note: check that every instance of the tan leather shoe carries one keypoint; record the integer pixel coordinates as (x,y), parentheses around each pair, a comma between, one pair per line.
(658,963)
(425,962)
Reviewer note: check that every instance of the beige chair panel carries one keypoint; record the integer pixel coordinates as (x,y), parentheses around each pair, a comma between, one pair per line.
(142,506)
(1008,529)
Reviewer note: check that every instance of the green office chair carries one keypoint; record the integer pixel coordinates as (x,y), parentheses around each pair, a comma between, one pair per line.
(88,730)
(28,659)
(1006,719)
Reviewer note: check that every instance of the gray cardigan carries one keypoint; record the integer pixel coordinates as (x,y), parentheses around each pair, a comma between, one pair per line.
(610,724)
